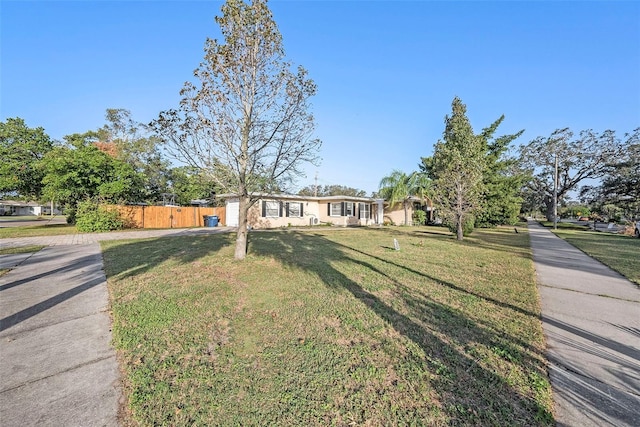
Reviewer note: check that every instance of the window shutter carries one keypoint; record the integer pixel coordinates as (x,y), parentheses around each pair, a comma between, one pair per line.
(280,210)
(301,210)
(287,209)
(359,210)
(342,208)
(329,209)
(264,209)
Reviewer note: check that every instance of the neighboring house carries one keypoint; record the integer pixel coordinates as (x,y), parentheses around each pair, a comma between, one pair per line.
(395,214)
(13,207)
(284,210)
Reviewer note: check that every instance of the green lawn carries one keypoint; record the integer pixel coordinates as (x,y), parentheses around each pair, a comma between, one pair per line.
(621,253)
(565,225)
(330,327)
(37,230)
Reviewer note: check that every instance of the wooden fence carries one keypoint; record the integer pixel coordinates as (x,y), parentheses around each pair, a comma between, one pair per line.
(168,216)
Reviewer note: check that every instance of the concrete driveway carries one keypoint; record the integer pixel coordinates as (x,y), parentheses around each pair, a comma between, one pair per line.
(57,366)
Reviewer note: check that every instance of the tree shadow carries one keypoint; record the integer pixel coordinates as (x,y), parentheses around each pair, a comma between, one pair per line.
(146,254)
(84,271)
(498,239)
(469,392)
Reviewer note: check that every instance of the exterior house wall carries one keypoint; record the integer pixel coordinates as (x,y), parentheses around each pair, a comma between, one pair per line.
(275,213)
(348,212)
(395,214)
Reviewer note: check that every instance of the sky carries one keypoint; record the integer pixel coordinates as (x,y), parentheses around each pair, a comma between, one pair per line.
(386,71)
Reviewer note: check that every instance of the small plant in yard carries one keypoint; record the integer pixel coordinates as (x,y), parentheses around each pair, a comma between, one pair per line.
(329,327)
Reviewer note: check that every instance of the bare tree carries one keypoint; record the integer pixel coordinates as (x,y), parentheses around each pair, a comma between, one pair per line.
(246,121)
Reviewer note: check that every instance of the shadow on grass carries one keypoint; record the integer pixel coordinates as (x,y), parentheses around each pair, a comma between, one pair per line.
(469,392)
(144,255)
(498,239)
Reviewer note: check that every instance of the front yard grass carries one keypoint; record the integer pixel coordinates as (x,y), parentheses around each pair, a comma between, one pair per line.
(330,327)
(565,225)
(621,253)
(37,230)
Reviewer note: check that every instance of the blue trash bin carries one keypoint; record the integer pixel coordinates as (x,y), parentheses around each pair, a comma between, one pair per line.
(211,220)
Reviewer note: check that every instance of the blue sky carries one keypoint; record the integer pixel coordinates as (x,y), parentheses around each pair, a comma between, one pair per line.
(386,71)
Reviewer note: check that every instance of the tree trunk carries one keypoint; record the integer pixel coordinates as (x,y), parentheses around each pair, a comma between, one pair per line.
(241,237)
(548,203)
(459,228)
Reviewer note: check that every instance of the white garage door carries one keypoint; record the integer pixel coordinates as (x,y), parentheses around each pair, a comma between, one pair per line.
(233,212)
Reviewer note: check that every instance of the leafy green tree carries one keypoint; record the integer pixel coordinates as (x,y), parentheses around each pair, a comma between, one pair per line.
(398,188)
(79,171)
(129,141)
(246,123)
(589,156)
(621,184)
(457,167)
(331,190)
(189,183)
(21,150)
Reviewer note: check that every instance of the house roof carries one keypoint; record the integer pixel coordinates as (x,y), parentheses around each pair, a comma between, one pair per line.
(18,203)
(298,197)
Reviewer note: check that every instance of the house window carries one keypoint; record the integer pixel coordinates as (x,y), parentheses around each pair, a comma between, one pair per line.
(342,209)
(294,210)
(270,209)
(335,209)
(349,209)
(365,211)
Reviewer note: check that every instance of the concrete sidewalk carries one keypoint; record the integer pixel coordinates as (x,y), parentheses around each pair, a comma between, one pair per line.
(591,320)
(57,365)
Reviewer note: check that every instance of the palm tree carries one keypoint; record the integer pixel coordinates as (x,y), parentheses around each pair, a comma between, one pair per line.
(398,188)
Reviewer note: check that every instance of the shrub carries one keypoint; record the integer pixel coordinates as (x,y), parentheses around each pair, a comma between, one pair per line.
(91,217)
(467,227)
(420,217)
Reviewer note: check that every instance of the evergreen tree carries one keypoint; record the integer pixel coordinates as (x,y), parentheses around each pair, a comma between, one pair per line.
(502,180)
(457,168)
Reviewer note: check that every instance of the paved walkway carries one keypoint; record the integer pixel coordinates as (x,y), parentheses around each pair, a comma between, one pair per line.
(57,366)
(591,320)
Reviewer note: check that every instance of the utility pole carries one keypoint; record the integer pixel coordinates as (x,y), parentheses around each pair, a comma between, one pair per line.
(315,186)
(555,196)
